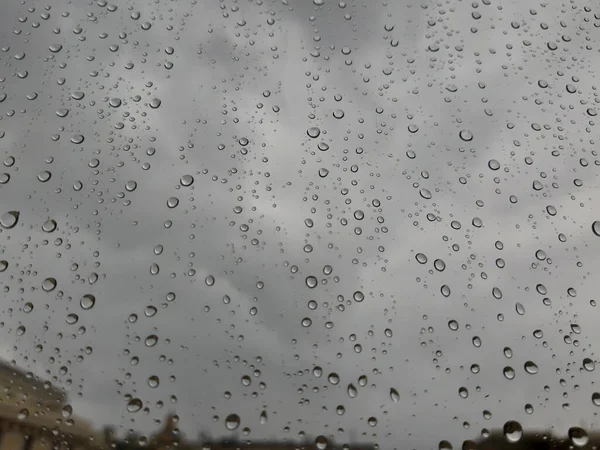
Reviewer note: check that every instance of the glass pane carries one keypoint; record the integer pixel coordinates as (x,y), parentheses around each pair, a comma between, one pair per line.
(308,223)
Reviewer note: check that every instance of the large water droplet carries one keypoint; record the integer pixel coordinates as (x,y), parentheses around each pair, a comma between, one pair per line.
(134,405)
(465,135)
(578,436)
(321,442)
(444,445)
(9,219)
(513,431)
(49,226)
(352,391)
(508,372)
(311,281)
(49,284)
(232,421)
(588,364)
(313,132)
(151,340)
(531,368)
(87,301)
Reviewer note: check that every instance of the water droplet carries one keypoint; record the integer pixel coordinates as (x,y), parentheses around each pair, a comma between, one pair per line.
(264,418)
(9,219)
(49,226)
(513,431)
(44,176)
(49,284)
(421,258)
(394,395)
(493,164)
(578,436)
(444,445)
(313,132)
(439,265)
(209,280)
(463,392)
(311,281)
(520,308)
(321,442)
(333,378)
(306,322)
(596,398)
(67,411)
(338,114)
(172,202)
(72,319)
(352,391)
(87,301)
(465,135)
(588,364)
(155,103)
(509,372)
(153,381)
(596,227)
(55,48)
(151,340)
(77,139)
(130,186)
(23,414)
(232,421)
(186,180)
(134,405)
(358,296)
(62,112)
(531,368)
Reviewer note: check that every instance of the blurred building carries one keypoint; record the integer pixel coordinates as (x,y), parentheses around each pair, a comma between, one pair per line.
(533,440)
(35,415)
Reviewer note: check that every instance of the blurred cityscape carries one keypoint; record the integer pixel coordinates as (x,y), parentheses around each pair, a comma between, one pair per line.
(34,415)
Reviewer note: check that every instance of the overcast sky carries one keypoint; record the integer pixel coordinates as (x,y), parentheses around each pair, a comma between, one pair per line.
(455,131)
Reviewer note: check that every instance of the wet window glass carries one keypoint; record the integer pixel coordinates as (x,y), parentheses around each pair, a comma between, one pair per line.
(317,224)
